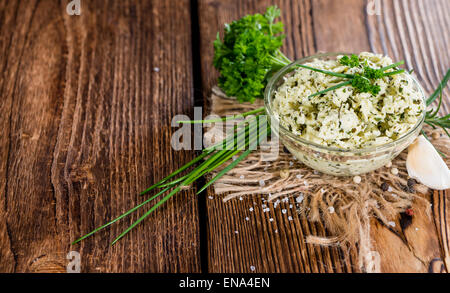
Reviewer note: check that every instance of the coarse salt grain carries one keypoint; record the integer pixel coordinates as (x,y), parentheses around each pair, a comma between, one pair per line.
(394,171)
(242,177)
(252,268)
(290,218)
(247,218)
(331,210)
(389,189)
(210,197)
(392,224)
(299,176)
(284,211)
(251,209)
(236,232)
(156,69)
(240,198)
(271,219)
(322,190)
(299,199)
(357,179)
(388,165)
(262,183)
(417,229)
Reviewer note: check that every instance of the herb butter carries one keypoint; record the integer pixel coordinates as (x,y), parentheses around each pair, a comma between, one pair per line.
(345,118)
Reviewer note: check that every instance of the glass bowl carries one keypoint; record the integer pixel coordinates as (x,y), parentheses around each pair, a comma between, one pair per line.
(332,160)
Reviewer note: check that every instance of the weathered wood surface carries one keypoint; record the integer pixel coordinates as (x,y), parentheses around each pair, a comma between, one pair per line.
(86,126)
(414,30)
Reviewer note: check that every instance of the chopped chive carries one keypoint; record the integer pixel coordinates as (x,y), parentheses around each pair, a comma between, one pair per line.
(326,71)
(331,88)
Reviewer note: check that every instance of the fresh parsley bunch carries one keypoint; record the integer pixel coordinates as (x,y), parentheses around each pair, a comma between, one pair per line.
(249,54)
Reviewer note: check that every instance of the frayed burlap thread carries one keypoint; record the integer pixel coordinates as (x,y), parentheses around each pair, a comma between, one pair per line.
(343,206)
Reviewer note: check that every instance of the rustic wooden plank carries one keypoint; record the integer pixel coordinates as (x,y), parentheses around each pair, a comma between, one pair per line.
(408,31)
(261,245)
(277,246)
(441,212)
(86,126)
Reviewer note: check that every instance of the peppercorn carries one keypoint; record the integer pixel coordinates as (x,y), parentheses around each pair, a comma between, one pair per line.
(409,212)
(410,183)
(384,186)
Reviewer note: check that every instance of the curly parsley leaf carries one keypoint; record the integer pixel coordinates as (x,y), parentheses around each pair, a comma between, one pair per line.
(249,54)
(352,61)
(371,73)
(363,85)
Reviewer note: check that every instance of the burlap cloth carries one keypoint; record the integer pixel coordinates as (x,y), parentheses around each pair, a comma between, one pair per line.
(342,205)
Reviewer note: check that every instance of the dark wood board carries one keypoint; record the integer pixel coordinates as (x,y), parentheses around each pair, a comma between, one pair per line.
(404,30)
(86,125)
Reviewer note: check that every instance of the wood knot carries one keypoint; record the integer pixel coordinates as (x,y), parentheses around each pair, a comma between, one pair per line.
(82,173)
(47,264)
(437,266)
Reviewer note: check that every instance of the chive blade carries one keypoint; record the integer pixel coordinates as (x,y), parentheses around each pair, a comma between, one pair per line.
(167,197)
(440,88)
(394,72)
(234,117)
(331,88)
(392,65)
(232,164)
(343,75)
(204,154)
(121,216)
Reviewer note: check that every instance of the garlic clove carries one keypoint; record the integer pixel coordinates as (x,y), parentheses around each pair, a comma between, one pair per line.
(426,165)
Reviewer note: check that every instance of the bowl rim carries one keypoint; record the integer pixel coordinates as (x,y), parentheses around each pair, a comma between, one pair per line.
(279,74)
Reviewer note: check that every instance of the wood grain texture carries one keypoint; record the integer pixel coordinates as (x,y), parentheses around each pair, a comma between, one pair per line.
(86,126)
(87,103)
(404,30)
